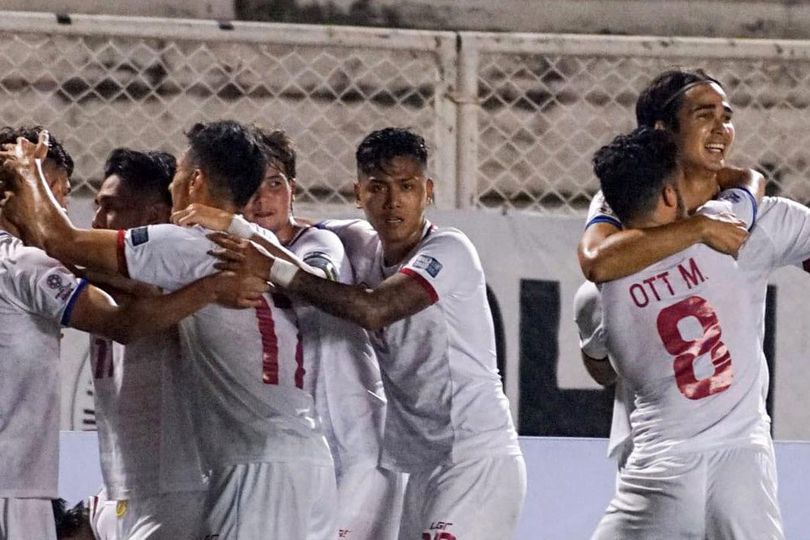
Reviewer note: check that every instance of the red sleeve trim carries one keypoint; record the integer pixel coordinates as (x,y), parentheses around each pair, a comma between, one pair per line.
(423,282)
(122,253)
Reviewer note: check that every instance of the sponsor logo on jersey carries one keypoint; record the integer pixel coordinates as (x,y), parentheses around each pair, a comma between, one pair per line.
(121,508)
(56,284)
(428,264)
(732,196)
(139,236)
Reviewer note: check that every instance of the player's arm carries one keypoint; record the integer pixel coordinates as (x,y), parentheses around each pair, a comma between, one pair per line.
(733,177)
(96,312)
(41,221)
(599,369)
(397,297)
(592,339)
(235,225)
(606,252)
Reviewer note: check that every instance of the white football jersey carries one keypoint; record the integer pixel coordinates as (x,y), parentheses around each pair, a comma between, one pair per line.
(146,441)
(37,294)
(686,336)
(247,366)
(445,398)
(593,342)
(346,382)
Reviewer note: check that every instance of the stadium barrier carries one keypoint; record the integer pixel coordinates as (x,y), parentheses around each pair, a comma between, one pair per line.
(570,483)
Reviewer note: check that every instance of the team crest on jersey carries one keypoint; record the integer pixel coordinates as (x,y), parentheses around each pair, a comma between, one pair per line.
(120,508)
(57,285)
(428,264)
(139,236)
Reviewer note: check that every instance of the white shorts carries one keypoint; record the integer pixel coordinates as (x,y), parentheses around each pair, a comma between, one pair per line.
(102,517)
(271,500)
(369,502)
(479,499)
(27,518)
(166,516)
(728,493)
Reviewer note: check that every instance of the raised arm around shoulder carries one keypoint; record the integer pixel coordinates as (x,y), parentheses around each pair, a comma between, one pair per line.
(606,253)
(733,177)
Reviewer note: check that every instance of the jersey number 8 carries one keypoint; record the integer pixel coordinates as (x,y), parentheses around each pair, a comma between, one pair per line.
(686,352)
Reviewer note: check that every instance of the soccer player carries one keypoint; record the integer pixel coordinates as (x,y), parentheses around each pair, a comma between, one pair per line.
(39,295)
(684,335)
(271,470)
(422,298)
(149,461)
(694,107)
(346,383)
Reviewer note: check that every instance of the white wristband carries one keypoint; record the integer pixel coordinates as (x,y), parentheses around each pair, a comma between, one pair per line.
(240,227)
(282,272)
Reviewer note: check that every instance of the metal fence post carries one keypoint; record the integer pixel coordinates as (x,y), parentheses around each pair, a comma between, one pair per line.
(467,99)
(446,150)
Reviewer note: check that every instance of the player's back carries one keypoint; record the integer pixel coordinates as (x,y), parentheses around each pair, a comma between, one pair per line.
(247,365)
(682,333)
(145,436)
(36,292)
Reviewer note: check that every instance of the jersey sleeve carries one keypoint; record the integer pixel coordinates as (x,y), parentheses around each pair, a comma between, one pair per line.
(588,317)
(788,227)
(43,286)
(445,264)
(359,241)
(738,201)
(600,212)
(165,255)
(322,249)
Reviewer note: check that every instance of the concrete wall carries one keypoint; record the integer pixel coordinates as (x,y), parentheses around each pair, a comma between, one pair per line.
(744,18)
(191,9)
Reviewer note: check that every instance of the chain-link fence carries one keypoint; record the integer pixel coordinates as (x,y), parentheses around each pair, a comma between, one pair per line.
(546,103)
(102,82)
(513,119)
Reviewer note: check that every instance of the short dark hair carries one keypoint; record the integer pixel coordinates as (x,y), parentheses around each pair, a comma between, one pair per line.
(231,156)
(634,168)
(663,97)
(144,173)
(381,146)
(56,152)
(278,147)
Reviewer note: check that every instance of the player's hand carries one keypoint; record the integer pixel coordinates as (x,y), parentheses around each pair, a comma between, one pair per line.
(24,158)
(240,255)
(724,233)
(238,290)
(23,188)
(199,214)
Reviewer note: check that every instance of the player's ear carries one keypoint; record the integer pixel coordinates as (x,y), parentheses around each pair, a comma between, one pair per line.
(670,196)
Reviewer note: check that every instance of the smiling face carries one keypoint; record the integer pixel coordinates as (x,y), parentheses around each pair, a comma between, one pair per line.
(705,133)
(271,205)
(394,200)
